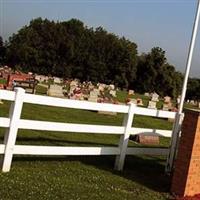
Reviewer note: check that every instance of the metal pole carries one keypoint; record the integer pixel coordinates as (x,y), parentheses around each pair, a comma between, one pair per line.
(189,60)
(179,117)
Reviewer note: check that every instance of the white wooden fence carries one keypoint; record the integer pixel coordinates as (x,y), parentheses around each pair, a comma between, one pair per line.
(13,123)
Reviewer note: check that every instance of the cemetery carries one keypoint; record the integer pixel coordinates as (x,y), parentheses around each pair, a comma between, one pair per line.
(74,90)
(152,166)
(86,168)
(86,114)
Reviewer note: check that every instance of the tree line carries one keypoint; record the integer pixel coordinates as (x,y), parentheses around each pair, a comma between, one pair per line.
(70,49)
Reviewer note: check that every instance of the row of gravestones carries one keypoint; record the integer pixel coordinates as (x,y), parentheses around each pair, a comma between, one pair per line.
(154,99)
(92,93)
(83,91)
(42,78)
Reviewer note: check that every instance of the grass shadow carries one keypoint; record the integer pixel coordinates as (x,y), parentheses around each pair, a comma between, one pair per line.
(146,171)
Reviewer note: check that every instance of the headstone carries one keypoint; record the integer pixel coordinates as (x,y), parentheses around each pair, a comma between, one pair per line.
(93,97)
(178,100)
(155,97)
(192,102)
(95,90)
(131,92)
(146,139)
(1,102)
(112,87)
(152,105)
(134,101)
(73,83)
(73,86)
(55,91)
(146,94)
(90,86)
(166,107)
(167,103)
(101,86)
(57,80)
(41,78)
(113,93)
(78,94)
(139,102)
(167,99)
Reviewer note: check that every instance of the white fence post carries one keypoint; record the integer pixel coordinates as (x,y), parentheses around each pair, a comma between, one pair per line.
(174,142)
(11,133)
(128,119)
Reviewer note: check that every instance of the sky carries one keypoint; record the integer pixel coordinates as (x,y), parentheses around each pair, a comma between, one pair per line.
(149,23)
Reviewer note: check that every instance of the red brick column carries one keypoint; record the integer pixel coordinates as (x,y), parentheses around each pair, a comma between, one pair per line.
(186,177)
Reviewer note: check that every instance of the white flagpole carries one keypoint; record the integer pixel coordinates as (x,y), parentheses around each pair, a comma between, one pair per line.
(179,117)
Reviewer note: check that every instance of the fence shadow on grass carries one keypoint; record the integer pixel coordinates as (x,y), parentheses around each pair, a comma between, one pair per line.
(147,171)
(59,142)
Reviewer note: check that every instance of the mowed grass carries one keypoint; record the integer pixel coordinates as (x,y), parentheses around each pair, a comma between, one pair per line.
(123,95)
(82,177)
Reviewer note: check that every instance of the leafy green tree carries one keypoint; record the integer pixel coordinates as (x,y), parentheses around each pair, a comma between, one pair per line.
(2,51)
(193,90)
(155,74)
(70,49)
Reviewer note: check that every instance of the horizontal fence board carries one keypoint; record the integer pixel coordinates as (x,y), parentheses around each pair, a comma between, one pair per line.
(2,148)
(152,132)
(56,126)
(4,122)
(48,150)
(7,95)
(147,151)
(154,113)
(53,150)
(69,127)
(69,103)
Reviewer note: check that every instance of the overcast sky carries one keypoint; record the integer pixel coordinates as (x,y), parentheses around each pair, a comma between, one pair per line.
(149,23)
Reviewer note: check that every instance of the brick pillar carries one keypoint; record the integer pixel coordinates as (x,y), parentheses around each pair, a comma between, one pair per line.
(186,177)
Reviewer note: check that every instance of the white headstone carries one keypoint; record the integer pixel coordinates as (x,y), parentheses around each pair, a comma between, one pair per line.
(57,80)
(152,105)
(113,93)
(111,86)
(55,91)
(134,101)
(165,107)
(155,97)
(93,95)
(192,102)
(167,99)
(131,92)
(41,78)
(178,100)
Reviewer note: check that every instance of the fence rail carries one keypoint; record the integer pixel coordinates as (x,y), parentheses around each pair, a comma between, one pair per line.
(13,123)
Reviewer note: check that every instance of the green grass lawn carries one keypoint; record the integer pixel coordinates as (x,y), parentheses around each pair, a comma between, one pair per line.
(3,81)
(41,90)
(82,177)
(122,96)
